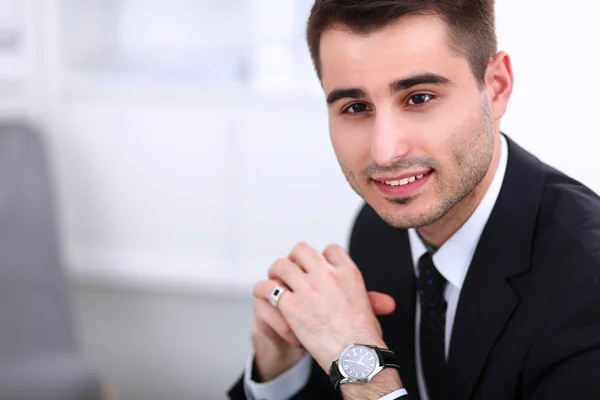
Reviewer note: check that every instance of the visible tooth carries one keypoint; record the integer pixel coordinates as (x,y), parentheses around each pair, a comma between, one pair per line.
(419,176)
(403,181)
(412,179)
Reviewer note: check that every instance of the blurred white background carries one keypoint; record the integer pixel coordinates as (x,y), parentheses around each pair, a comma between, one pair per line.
(189,143)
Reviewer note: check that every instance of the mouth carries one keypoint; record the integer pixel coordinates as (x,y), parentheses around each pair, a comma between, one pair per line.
(403,185)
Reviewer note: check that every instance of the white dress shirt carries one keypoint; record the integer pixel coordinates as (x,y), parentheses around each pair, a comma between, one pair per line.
(452,260)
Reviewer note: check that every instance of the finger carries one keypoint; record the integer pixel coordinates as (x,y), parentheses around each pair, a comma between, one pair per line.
(307,257)
(284,270)
(270,320)
(382,304)
(263,289)
(337,256)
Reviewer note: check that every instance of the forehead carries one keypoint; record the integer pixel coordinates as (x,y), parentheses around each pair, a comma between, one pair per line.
(412,45)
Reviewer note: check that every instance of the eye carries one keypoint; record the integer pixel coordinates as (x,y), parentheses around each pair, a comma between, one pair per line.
(355,108)
(420,99)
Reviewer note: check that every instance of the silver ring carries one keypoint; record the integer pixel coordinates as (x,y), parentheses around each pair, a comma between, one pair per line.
(276,295)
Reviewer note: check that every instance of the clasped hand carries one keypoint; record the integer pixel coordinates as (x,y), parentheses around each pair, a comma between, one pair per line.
(326,306)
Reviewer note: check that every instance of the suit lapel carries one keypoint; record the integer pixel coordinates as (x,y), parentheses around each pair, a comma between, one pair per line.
(487,300)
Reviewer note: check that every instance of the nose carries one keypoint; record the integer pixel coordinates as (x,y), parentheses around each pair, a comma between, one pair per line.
(388,143)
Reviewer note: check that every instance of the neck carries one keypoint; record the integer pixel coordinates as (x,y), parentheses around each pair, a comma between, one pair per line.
(440,231)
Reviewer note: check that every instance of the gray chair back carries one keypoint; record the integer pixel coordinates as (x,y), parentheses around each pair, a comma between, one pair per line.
(39,359)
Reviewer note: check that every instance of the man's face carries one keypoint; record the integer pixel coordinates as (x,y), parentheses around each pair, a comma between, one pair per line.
(410,125)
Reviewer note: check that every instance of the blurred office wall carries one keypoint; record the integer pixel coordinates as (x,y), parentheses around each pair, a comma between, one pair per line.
(190,149)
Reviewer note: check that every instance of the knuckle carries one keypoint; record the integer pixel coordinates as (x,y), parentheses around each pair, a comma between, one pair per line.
(332,274)
(355,272)
(278,266)
(281,261)
(292,303)
(256,289)
(333,248)
(301,246)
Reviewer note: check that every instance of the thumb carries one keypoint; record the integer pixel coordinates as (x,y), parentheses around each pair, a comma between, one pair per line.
(382,304)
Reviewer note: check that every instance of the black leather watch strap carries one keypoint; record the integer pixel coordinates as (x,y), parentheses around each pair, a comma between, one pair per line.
(335,376)
(388,358)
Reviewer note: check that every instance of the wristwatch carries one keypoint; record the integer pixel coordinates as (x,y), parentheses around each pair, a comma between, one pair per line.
(359,363)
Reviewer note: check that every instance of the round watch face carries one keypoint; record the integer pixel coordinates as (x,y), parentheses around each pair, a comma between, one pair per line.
(359,362)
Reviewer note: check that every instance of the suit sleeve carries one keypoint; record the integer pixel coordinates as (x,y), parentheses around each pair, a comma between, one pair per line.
(564,362)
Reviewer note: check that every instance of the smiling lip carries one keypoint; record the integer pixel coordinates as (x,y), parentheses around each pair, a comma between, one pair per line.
(404,189)
(403,176)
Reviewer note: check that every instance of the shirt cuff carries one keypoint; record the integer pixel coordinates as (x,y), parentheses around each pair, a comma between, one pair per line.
(394,395)
(284,386)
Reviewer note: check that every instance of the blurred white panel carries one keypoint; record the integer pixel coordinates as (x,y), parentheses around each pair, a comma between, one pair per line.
(205,39)
(12,32)
(554,108)
(143,190)
(177,26)
(257,44)
(289,187)
(13,101)
(87,31)
(272,58)
(155,39)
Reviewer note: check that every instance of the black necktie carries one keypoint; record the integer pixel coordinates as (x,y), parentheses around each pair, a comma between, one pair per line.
(431,287)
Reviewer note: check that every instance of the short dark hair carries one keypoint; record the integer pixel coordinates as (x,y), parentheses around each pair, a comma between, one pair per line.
(471,24)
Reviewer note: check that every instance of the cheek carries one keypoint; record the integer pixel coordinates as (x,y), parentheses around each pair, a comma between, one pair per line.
(461,123)
(464,141)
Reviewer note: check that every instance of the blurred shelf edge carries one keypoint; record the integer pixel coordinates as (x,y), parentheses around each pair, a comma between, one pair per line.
(110,49)
(11,87)
(13,97)
(167,275)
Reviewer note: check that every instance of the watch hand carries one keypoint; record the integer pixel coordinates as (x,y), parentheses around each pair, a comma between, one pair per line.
(357,362)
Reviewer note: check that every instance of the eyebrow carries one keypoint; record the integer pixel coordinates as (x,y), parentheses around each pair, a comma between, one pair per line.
(395,87)
(337,94)
(428,78)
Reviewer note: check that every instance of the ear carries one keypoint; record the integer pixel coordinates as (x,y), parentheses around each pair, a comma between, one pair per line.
(499,84)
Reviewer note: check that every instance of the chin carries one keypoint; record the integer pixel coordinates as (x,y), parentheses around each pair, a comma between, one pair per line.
(399,215)
(412,213)
(402,221)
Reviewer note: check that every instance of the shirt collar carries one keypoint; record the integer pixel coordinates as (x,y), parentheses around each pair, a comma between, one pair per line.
(452,260)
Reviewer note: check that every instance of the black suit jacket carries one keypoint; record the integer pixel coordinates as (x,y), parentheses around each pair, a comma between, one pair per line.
(528,319)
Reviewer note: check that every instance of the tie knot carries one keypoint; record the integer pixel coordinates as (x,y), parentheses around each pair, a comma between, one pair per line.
(429,276)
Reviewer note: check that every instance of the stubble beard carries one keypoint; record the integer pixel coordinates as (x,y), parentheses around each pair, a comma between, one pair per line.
(471,161)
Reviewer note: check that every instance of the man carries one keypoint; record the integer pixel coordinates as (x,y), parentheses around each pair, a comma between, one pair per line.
(481,261)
